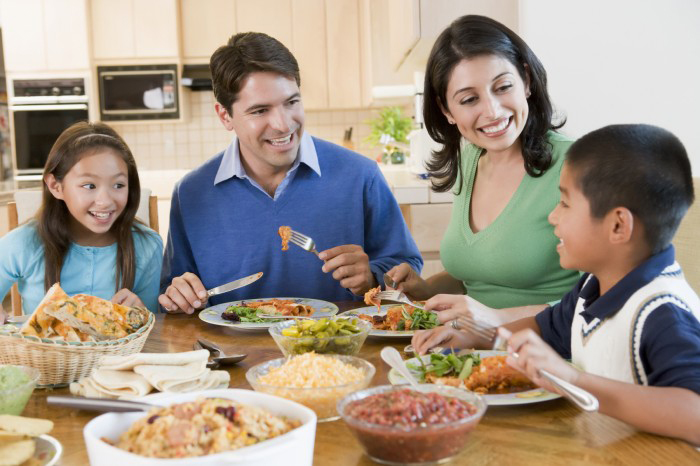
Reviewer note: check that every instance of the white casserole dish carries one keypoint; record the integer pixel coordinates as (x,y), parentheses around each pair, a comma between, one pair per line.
(295,448)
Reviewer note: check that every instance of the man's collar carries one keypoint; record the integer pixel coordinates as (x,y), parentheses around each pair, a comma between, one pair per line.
(232,166)
(616,297)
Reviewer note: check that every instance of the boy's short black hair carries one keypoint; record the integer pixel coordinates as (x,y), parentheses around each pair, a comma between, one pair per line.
(641,167)
(246,53)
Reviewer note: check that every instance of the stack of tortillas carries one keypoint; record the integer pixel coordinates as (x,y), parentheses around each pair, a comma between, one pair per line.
(17,438)
(137,374)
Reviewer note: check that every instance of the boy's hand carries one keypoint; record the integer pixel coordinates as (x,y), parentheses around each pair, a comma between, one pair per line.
(127,298)
(534,355)
(350,266)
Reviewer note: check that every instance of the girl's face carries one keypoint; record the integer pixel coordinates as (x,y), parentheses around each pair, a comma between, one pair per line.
(487,100)
(95,190)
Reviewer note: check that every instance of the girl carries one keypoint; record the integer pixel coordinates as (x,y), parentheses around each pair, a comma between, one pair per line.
(85,235)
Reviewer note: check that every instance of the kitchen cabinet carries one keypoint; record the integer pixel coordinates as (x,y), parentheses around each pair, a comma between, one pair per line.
(206,25)
(130,29)
(45,35)
(427,224)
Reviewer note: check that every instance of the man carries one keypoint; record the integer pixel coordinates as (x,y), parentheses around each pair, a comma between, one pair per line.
(225,214)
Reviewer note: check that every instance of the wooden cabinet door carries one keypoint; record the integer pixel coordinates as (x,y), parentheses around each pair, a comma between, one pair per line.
(309,48)
(65,25)
(112,29)
(206,25)
(155,28)
(23,35)
(343,42)
(273,17)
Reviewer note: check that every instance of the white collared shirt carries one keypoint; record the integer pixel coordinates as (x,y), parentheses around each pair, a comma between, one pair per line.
(231,165)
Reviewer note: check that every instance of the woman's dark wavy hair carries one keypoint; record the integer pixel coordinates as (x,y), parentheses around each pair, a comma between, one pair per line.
(468,37)
(53,218)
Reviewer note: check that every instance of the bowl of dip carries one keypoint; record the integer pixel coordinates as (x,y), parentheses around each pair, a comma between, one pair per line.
(16,386)
(403,425)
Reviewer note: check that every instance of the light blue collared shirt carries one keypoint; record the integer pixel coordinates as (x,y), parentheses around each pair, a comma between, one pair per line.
(231,164)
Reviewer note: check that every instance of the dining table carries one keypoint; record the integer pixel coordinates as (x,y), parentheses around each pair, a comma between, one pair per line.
(550,432)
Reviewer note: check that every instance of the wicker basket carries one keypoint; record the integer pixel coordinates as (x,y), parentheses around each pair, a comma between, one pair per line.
(60,362)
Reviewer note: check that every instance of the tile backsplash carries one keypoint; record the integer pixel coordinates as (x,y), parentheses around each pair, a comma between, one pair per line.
(185,145)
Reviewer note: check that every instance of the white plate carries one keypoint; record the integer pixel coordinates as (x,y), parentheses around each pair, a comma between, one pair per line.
(372,311)
(535,395)
(212,315)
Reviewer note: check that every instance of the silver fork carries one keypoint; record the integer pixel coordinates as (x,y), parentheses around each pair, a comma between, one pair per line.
(476,326)
(580,397)
(303,241)
(398,296)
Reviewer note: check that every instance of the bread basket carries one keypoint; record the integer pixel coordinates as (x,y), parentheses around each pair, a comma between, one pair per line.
(63,362)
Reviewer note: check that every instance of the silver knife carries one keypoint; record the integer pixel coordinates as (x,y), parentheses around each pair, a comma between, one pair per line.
(241,282)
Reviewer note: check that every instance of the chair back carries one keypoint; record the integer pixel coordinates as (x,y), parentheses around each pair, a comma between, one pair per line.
(27,203)
(687,241)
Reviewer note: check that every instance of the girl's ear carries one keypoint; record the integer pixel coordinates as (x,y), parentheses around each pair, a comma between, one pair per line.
(55,186)
(447,113)
(527,80)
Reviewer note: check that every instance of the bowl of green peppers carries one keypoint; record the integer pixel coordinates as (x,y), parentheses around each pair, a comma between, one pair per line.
(328,335)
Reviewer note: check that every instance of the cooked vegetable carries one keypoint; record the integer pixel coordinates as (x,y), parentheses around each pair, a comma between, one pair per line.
(447,365)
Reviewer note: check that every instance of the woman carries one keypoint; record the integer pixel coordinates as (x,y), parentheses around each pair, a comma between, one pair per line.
(486,101)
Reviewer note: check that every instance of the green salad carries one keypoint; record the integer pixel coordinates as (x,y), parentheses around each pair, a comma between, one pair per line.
(447,365)
(245,314)
(420,319)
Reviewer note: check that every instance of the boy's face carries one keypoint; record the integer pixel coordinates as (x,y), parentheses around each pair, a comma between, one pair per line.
(583,241)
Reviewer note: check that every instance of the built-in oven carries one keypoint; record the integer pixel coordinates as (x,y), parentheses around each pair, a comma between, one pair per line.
(40,109)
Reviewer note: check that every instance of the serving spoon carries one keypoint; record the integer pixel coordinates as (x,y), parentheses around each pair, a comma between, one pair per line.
(218,356)
(391,356)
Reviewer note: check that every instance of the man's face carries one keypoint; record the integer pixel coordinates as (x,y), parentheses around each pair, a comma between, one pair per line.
(268,118)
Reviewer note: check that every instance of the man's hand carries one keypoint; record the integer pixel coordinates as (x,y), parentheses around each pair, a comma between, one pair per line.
(185,294)
(350,266)
(535,355)
(127,298)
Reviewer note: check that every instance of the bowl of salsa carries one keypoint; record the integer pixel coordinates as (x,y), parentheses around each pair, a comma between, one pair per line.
(403,425)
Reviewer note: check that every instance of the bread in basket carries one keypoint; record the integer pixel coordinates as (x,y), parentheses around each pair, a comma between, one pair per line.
(65,338)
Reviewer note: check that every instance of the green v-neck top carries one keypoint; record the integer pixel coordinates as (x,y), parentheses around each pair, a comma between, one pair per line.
(513,261)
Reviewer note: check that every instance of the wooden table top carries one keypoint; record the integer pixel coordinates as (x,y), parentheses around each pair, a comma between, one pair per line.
(551,432)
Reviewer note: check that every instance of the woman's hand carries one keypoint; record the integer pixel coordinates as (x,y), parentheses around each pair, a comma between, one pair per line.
(126,297)
(450,307)
(534,355)
(423,340)
(407,280)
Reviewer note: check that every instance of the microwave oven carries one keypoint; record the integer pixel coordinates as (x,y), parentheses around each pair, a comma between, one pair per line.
(138,92)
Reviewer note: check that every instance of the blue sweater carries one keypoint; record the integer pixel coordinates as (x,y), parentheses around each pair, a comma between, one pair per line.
(229,230)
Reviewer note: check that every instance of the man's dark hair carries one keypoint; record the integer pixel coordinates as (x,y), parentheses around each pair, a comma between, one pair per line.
(641,167)
(246,53)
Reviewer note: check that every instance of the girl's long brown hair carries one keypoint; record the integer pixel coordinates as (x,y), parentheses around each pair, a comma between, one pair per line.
(53,218)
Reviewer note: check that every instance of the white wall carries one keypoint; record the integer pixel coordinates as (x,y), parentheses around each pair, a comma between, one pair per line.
(621,61)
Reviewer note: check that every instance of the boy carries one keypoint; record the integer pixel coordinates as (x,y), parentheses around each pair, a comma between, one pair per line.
(632,323)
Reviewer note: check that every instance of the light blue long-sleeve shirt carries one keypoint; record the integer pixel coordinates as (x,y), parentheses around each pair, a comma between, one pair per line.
(86,269)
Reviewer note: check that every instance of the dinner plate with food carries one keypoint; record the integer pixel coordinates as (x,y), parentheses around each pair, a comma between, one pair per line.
(395,320)
(247,314)
(481,371)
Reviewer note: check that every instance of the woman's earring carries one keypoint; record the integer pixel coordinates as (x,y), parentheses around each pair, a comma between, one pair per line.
(451,121)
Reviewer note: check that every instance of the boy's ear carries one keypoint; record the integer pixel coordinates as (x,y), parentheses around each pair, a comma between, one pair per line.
(55,186)
(621,225)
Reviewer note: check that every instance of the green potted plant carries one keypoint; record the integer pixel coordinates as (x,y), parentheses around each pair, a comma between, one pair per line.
(390,129)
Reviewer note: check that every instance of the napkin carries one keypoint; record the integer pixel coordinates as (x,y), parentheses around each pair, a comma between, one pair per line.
(136,375)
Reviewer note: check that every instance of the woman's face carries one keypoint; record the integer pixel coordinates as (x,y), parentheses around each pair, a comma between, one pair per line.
(487,100)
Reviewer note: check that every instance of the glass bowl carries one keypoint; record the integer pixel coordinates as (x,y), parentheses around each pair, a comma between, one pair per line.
(339,344)
(422,444)
(16,386)
(322,400)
